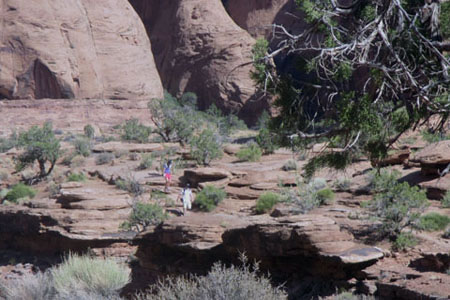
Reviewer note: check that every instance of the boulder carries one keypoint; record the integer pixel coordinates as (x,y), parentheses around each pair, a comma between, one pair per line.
(433,158)
(198,48)
(75,49)
(196,176)
(397,158)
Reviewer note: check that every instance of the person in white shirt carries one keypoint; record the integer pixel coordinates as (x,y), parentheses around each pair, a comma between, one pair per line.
(186,198)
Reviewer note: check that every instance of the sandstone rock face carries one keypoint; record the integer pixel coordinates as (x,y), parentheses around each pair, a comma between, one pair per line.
(257,16)
(75,49)
(197,48)
(434,157)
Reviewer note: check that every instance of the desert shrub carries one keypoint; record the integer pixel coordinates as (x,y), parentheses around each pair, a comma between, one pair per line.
(433,137)
(76,177)
(104,158)
(325,196)
(118,153)
(29,287)
(225,124)
(8,143)
(290,165)
(433,222)
(383,180)
(250,153)
(3,176)
(206,147)
(77,161)
(20,191)
(89,131)
(404,241)
(130,185)
(92,275)
(134,131)
(144,215)
(82,146)
(53,189)
(266,201)
(397,205)
(209,197)
(446,234)
(146,162)
(40,145)
(266,141)
(445,202)
(342,184)
(221,282)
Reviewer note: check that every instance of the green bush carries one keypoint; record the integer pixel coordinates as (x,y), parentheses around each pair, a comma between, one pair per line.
(221,282)
(397,205)
(76,177)
(433,137)
(20,191)
(290,165)
(404,241)
(266,202)
(342,184)
(146,162)
(89,131)
(433,222)
(130,185)
(40,145)
(8,143)
(144,215)
(445,202)
(206,147)
(383,180)
(134,131)
(104,158)
(29,287)
(93,275)
(209,197)
(82,146)
(325,196)
(250,153)
(266,141)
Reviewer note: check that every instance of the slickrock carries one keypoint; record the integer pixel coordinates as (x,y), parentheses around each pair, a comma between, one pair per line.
(198,48)
(75,49)
(199,175)
(127,147)
(434,157)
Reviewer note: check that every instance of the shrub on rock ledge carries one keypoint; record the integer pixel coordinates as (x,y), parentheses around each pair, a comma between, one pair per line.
(144,215)
(20,191)
(266,201)
(208,198)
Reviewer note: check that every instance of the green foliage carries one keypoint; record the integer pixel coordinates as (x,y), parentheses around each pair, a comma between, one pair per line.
(290,165)
(307,196)
(445,19)
(433,137)
(397,205)
(93,275)
(40,145)
(8,143)
(134,131)
(206,147)
(104,158)
(312,14)
(266,201)
(342,184)
(144,215)
(383,180)
(225,124)
(221,282)
(404,241)
(266,141)
(20,191)
(146,162)
(336,160)
(259,51)
(209,197)
(433,222)
(82,146)
(445,202)
(130,185)
(78,177)
(325,196)
(89,131)
(251,152)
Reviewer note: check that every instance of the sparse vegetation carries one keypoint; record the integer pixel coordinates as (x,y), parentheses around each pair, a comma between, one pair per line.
(266,202)
(404,241)
(82,146)
(221,282)
(433,137)
(146,161)
(79,177)
(144,215)
(89,131)
(104,158)
(134,131)
(342,184)
(206,147)
(250,153)
(20,191)
(130,185)
(209,197)
(445,202)
(9,143)
(307,196)
(433,222)
(40,145)
(266,141)
(290,165)
(325,196)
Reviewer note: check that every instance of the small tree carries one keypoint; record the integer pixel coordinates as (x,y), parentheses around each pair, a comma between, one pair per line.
(40,145)
(206,147)
(89,131)
(133,130)
(208,198)
(144,215)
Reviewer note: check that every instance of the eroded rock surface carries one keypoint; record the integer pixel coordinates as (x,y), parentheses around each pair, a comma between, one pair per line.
(75,49)
(434,158)
(198,48)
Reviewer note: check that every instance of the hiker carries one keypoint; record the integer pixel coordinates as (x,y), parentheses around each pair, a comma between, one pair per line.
(187,198)
(167,175)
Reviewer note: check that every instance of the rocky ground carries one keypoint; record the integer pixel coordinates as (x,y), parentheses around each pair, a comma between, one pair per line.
(332,247)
